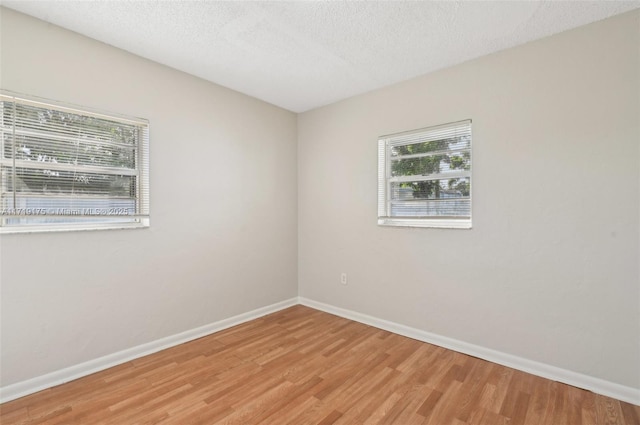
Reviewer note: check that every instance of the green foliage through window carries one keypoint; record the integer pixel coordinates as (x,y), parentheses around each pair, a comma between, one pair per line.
(54,160)
(426,173)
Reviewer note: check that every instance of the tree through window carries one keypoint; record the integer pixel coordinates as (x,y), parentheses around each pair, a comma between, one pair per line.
(63,168)
(424,177)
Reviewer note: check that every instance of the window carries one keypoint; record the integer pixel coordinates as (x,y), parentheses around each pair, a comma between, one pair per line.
(65,169)
(424,177)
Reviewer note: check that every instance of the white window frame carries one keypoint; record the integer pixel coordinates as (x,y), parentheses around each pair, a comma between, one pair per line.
(65,219)
(385,145)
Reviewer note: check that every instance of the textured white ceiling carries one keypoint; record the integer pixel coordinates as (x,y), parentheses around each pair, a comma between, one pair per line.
(301,55)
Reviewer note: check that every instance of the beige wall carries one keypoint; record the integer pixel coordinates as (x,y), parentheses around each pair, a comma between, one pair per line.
(549,271)
(223,210)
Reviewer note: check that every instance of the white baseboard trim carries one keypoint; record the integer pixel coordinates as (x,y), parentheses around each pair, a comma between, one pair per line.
(30,386)
(596,385)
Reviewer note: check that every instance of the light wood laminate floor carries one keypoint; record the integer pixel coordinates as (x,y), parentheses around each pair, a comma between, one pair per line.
(303,366)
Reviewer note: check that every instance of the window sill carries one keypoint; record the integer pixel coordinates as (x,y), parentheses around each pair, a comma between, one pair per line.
(425,223)
(72,228)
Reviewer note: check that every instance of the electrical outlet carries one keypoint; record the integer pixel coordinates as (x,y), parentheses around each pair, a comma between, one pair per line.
(343,278)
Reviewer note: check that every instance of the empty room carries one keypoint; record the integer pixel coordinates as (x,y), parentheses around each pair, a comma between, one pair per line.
(320,212)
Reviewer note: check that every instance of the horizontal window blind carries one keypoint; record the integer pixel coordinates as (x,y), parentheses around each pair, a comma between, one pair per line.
(63,168)
(424,177)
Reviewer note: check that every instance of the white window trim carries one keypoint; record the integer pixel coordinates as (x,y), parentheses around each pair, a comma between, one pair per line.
(385,180)
(137,221)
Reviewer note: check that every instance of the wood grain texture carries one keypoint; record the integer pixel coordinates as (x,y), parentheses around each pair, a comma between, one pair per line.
(302,366)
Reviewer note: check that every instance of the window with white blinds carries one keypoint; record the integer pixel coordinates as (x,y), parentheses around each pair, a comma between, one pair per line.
(424,177)
(63,168)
